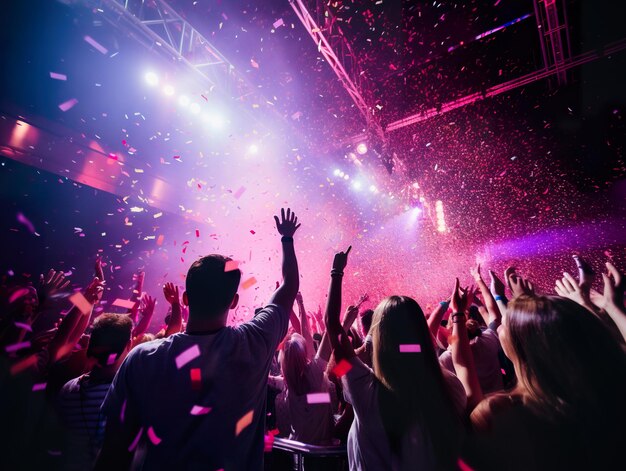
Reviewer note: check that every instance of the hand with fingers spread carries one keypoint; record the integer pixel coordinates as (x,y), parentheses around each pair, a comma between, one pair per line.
(475,272)
(612,299)
(288,224)
(567,287)
(93,292)
(518,285)
(147,305)
(51,285)
(459,301)
(496,287)
(171,293)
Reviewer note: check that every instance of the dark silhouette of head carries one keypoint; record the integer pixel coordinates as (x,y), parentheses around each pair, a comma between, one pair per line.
(111,335)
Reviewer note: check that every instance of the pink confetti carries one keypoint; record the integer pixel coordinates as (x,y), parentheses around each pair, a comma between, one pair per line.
(17,346)
(78,300)
(125,303)
(112,358)
(463,466)
(39,386)
(197,233)
(200,410)
(23,364)
(68,105)
(318,398)
(56,76)
(502,371)
(188,355)
(153,437)
(160,240)
(244,422)
(135,442)
(196,379)
(231,265)
(237,194)
(342,368)
(21,325)
(252,232)
(17,294)
(248,283)
(410,348)
(24,220)
(96,45)
(278,23)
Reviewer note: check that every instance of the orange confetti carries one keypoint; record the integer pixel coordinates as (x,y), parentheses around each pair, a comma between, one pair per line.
(248,283)
(160,239)
(244,422)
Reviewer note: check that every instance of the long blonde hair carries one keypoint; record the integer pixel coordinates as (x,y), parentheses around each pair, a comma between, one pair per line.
(293,362)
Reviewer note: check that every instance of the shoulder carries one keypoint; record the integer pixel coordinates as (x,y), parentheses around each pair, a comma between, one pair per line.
(150,348)
(455,390)
(492,407)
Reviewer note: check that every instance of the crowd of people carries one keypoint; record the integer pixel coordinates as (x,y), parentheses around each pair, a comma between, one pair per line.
(490,380)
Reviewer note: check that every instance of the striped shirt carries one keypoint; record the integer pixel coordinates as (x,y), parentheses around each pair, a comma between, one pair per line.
(79,406)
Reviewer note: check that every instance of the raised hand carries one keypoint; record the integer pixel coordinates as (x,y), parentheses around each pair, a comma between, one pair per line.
(93,292)
(459,301)
(299,298)
(496,287)
(287,225)
(51,284)
(341,260)
(613,296)
(171,293)
(147,305)
(567,287)
(518,285)
(364,297)
(98,271)
(475,272)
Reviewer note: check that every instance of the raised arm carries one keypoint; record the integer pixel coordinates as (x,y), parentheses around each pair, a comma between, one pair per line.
(305,328)
(172,296)
(148,304)
(338,338)
(612,300)
(285,295)
(434,320)
(462,356)
(495,316)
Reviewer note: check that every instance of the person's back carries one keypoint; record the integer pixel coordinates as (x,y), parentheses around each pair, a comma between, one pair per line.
(196,400)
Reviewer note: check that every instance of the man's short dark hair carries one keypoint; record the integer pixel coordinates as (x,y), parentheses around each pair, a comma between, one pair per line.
(110,335)
(366,320)
(210,289)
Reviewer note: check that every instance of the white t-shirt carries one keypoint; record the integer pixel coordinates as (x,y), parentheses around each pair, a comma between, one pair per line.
(233,365)
(308,423)
(368,446)
(485,350)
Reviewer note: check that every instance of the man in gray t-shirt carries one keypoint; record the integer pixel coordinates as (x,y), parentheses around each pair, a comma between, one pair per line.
(196,400)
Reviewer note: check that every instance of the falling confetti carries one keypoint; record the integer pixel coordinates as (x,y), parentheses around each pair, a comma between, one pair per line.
(244,422)
(188,355)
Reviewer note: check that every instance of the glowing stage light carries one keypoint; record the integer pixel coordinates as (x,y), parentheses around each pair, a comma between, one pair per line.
(213,120)
(373,189)
(194,108)
(183,100)
(152,79)
(253,149)
(337,172)
(168,90)
(362,148)
(356,185)
(416,185)
(346,176)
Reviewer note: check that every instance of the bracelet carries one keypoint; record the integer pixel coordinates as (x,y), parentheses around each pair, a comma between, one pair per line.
(444,304)
(336,273)
(455,316)
(286,239)
(500,298)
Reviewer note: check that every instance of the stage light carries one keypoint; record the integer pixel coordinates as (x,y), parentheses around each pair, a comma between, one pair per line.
(362,148)
(356,185)
(183,100)
(416,185)
(214,120)
(168,90)
(152,79)
(194,108)
(346,177)
(253,149)
(337,172)
(373,189)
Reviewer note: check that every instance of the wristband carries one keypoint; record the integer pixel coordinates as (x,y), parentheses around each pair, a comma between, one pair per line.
(286,239)
(500,298)
(444,304)
(455,316)
(336,273)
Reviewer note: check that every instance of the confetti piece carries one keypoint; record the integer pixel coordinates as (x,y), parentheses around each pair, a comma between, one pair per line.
(342,368)
(196,379)
(502,371)
(231,265)
(125,303)
(24,220)
(112,358)
(18,294)
(68,105)
(96,45)
(244,422)
(278,23)
(197,233)
(410,348)
(135,442)
(157,215)
(248,283)
(78,300)
(24,364)
(252,232)
(188,355)
(17,346)
(237,194)
(56,76)
(21,325)
(153,437)
(160,240)
(463,466)
(318,398)
(39,386)
(200,410)
(268,443)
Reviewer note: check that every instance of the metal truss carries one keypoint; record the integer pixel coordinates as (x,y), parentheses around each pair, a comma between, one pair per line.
(553,30)
(163,30)
(333,45)
(527,79)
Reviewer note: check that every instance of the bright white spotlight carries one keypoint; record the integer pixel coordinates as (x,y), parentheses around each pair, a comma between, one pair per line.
(183,100)
(253,149)
(168,90)
(194,108)
(341,174)
(337,172)
(346,177)
(356,185)
(213,120)
(362,148)
(152,79)
(373,189)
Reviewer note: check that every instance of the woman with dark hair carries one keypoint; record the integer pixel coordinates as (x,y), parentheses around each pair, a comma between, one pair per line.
(568,410)
(404,415)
